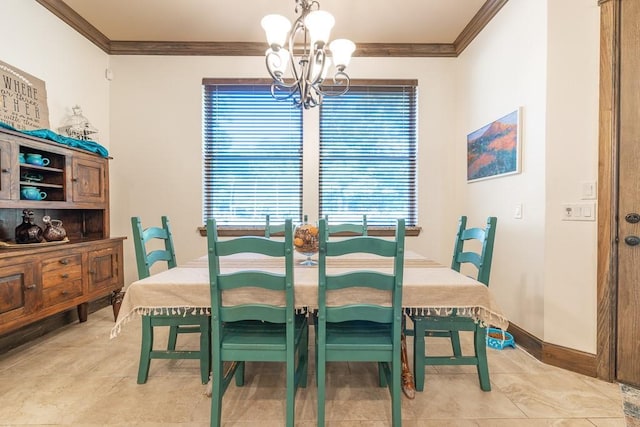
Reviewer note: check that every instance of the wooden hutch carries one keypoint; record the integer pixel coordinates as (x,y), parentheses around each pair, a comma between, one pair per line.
(39,280)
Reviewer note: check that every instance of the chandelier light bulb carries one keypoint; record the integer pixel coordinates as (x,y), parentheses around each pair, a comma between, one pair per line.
(276,28)
(342,49)
(319,23)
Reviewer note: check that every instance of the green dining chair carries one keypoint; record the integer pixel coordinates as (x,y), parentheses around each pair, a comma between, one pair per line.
(155,244)
(474,247)
(347,227)
(255,330)
(361,331)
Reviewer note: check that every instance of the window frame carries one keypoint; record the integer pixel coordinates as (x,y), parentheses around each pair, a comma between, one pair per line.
(258,229)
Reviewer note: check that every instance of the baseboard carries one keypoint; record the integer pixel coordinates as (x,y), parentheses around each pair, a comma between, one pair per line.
(42,327)
(553,354)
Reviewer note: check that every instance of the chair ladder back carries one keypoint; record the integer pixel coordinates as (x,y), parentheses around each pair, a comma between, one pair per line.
(347,227)
(146,258)
(250,278)
(483,258)
(370,279)
(270,229)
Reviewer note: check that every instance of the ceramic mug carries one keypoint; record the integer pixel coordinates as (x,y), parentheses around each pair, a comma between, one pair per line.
(21,158)
(32,193)
(37,159)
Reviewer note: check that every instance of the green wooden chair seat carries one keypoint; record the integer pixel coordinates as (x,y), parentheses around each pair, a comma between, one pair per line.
(451,326)
(147,255)
(261,337)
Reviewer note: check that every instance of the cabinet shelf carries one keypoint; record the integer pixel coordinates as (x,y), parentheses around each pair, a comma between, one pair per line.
(40,168)
(41,184)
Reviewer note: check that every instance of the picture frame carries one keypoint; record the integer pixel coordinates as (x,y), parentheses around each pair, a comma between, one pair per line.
(494,149)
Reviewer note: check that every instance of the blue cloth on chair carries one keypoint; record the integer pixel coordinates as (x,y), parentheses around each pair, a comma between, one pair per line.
(92,146)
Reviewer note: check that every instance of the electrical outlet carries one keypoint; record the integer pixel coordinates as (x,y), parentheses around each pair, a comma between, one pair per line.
(579,212)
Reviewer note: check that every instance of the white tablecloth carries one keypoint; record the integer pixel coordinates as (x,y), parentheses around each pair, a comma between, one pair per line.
(428,288)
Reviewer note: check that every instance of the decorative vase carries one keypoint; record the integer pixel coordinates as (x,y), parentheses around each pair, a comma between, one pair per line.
(305,241)
(53,231)
(28,232)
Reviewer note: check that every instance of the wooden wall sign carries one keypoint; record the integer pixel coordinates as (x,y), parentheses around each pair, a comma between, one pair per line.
(23,99)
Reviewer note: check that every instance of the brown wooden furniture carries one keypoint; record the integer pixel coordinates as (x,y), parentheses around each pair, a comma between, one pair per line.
(39,280)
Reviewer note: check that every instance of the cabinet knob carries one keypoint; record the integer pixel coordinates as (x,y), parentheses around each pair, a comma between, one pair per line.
(74,179)
(65,276)
(65,292)
(5,170)
(33,286)
(92,272)
(64,261)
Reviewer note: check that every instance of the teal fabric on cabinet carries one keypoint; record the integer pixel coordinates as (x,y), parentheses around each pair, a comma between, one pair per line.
(92,146)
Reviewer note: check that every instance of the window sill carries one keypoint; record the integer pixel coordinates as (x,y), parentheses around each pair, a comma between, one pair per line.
(231,231)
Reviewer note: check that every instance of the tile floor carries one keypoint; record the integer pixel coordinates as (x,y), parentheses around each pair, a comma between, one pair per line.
(78,376)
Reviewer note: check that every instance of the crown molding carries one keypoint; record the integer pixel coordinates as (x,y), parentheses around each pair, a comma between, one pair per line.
(168,48)
(486,13)
(77,22)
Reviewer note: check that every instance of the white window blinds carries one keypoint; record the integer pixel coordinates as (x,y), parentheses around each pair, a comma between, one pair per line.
(252,155)
(368,154)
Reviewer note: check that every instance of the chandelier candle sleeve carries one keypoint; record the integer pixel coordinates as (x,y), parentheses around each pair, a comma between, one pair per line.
(305,46)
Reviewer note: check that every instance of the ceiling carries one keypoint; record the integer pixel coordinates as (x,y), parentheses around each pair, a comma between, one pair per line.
(232,27)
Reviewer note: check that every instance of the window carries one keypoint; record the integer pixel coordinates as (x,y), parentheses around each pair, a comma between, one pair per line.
(252,152)
(368,154)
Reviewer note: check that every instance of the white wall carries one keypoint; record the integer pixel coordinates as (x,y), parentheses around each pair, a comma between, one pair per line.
(157,142)
(37,42)
(571,158)
(541,56)
(538,55)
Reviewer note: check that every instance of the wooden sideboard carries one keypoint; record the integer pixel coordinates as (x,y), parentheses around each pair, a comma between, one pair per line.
(39,280)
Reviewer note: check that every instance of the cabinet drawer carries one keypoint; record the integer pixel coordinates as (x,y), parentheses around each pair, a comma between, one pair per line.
(62,292)
(56,271)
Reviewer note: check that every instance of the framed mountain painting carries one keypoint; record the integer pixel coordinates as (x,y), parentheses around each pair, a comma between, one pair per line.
(494,149)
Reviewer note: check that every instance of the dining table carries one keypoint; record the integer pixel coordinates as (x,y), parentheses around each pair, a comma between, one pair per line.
(428,288)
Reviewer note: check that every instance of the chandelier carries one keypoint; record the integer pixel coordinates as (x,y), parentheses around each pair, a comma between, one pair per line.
(307,53)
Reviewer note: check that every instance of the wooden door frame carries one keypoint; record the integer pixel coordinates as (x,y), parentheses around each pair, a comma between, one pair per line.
(608,152)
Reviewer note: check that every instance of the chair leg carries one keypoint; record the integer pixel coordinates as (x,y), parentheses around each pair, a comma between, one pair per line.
(455,343)
(290,382)
(145,350)
(217,390)
(239,375)
(418,353)
(481,355)
(173,337)
(321,380)
(303,359)
(382,378)
(205,351)
(396,397)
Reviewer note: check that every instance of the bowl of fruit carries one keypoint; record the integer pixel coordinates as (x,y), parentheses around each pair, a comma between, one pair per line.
(305,241)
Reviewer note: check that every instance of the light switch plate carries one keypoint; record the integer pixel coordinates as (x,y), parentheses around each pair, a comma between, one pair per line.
(517,211)
(579,211)
(589,190)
